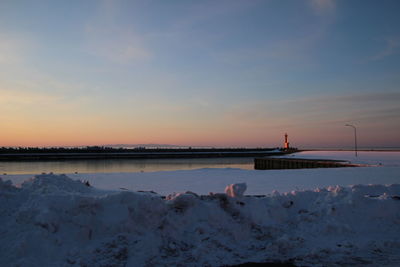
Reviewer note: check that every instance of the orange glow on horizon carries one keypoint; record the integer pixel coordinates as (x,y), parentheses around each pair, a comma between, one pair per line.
(63,129)
(88,137)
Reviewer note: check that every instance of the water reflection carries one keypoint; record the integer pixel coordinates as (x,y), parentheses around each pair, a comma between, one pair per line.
(121,165)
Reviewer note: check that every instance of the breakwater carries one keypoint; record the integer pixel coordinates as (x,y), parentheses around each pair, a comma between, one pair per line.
(293,163)
(142,154)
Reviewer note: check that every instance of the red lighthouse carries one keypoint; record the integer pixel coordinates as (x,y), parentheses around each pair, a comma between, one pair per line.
(286,145)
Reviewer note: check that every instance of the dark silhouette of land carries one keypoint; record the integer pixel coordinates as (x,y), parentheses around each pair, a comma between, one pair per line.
(100,152)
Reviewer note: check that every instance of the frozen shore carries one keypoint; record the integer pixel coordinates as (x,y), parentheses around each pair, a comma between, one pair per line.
(53,220)
(386,170)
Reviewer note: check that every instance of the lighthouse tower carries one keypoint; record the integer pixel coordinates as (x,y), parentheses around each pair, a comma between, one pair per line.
(286,145)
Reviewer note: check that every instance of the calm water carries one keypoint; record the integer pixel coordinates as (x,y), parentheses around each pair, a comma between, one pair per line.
(121,165)
(139,174)
(151,165)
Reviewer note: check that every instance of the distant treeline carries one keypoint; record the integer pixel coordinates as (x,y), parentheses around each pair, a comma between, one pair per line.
(103,149)
(88,149)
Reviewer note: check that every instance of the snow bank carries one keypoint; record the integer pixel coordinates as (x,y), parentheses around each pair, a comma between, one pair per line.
(259,182)
(52,220)
(371,158)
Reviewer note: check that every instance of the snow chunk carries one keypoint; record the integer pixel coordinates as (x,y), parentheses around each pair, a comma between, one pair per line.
(182,201)
(236,190)
(6,185)
(54,184)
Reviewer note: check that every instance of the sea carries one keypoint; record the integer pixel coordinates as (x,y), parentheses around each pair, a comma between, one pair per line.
(373,156)
(121,165)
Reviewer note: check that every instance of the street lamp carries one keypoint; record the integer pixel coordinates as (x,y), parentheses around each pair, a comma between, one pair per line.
(355,137)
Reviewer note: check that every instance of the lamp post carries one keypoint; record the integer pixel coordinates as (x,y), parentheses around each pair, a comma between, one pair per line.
(355,137)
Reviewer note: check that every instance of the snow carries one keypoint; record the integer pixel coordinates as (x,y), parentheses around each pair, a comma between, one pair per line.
(235,190)
(53,220)
(374,158)
(327,217)
(259,182)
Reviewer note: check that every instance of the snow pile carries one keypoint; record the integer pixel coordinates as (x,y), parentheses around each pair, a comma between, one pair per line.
(54,221)
(44,183)
(235,190)
(370,158)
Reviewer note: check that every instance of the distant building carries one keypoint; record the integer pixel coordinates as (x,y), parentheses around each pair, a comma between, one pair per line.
(286,145)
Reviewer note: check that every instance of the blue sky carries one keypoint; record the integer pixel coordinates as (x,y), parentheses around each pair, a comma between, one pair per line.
(230,73)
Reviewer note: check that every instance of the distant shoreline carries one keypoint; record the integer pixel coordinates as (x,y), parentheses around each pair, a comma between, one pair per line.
(93,153)
(347,149)
(101,153)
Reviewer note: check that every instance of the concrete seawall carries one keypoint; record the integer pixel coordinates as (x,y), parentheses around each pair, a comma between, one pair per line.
(147,154)
(292,163)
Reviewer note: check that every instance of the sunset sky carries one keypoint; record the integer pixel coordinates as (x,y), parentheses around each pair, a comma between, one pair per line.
(200,73)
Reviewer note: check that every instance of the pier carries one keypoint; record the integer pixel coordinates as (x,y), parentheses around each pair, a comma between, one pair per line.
(142,153)
(293,163)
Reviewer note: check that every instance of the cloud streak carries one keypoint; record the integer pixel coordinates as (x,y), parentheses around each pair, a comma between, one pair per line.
(323,7)
(392,47)
(106,39)
(116,45)
(13,49)
(367,107)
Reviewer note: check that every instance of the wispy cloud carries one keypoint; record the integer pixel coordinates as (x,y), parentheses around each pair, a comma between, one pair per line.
(108,40)
(200,12)
(296,49)
(392,46)
(121,46)
(12,99)
(385,97)
(347,107)
(43,91)
(13,49)
(322,110)
(323,7)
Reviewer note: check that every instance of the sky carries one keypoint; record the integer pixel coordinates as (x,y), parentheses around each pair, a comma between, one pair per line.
(238,73)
